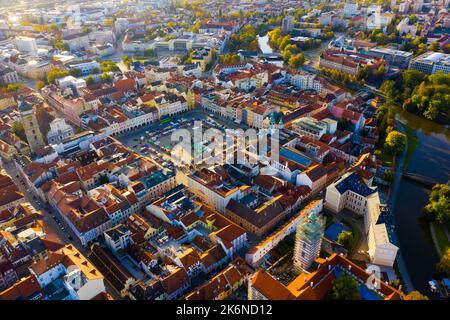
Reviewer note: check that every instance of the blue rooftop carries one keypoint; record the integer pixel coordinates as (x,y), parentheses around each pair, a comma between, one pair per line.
(354,184)
(155,178)
(173,191)
(246,200)
(334,230)
(295,156)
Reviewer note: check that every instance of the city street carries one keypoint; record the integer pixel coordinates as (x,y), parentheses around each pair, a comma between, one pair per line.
(52,218)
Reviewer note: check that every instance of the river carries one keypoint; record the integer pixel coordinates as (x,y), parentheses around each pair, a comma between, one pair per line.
(432,159)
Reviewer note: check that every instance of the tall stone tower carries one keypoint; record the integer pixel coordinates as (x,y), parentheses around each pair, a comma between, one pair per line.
(308,241)
(31,126)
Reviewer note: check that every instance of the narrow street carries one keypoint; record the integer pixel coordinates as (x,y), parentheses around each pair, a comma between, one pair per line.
(52,218)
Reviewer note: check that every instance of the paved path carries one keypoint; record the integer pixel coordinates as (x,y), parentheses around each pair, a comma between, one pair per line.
(391,203)
(435,242)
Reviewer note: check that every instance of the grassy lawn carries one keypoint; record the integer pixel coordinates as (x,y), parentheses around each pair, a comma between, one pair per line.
(144,59)
(387,158)
(412,141)
(329,220)
(355,232)
(441,237)
(285,246)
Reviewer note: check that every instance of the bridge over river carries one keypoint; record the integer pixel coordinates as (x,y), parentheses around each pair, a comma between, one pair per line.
(420,179)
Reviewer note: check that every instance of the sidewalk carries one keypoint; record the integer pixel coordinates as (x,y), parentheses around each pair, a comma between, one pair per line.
(391,203)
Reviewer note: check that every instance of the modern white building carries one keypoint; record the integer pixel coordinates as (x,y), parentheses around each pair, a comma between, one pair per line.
(379,20)
(308,126)
(287,24)
(86,67)
(431,62)
(404,27)
(303,80)
(26,44)
(118,238)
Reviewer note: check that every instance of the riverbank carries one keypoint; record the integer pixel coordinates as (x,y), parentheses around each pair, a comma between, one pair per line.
(391,202)
(428,155)
(411,143)
(440,237)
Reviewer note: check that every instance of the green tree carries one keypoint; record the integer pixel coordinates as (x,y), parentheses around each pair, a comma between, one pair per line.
(438,206)
(412,19)
(149,53)
(443,266)
(196,27)
(76,72)
(388,176)
(345,288)
(416,295)
(434,47)
(19,131)
(90,80)
(229,58)
(346,239)
(14,87)
(296,61)
(395,142)
(412,78)
(446,48)
(126,61)
(106,78)
(56,74)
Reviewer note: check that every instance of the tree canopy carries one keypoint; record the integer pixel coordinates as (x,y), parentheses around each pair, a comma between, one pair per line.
(443,266)
(395,142)
(54,74)
(346,239)
(416,295)
(438,206)
(345,288)
(245,39)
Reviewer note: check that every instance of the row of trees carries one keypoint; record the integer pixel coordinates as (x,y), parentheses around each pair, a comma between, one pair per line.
(438,210)
(438,206)
(245,39)
(427,96)
(290,52)
(371,75)
(109,66)
(229,58)
(13,87)
(342,77)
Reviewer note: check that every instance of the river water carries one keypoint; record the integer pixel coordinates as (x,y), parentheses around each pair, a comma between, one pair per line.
(431,159)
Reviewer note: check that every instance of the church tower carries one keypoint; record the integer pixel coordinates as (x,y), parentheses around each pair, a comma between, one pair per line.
(31,126)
